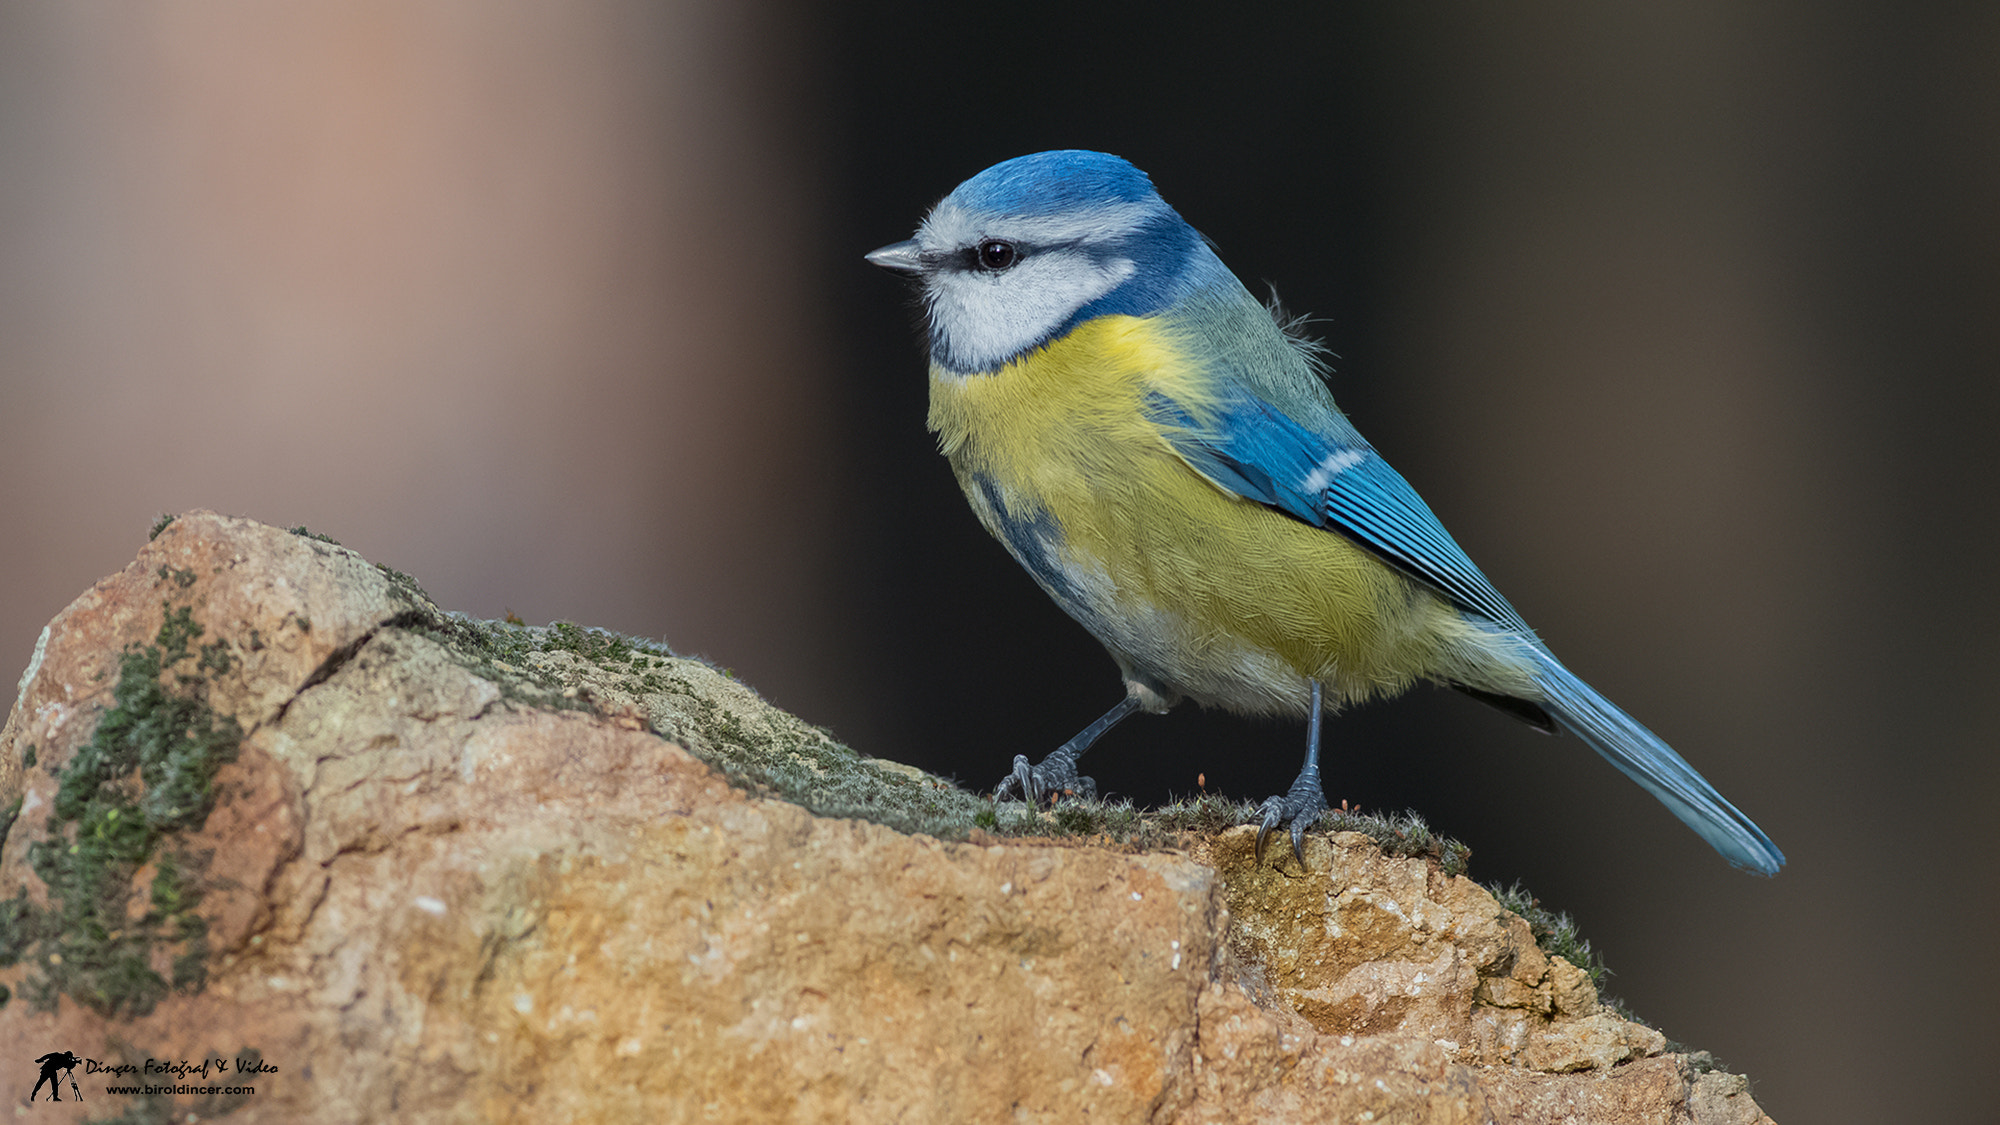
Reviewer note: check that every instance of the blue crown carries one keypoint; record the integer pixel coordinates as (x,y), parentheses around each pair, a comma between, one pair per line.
(1049,183)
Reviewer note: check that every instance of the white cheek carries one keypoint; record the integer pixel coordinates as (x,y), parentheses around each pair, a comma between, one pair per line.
(987,319)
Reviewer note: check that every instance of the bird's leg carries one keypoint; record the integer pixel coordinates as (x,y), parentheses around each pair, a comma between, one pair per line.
(1302,805)
(1057,772)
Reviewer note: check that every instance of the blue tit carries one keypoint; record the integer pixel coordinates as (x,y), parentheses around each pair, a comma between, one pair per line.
(1165,459)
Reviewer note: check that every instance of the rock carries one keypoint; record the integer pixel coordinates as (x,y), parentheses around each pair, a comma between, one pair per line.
(401,866)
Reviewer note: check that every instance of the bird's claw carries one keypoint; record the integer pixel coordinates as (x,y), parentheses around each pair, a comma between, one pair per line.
(1299,808)
(1056,775)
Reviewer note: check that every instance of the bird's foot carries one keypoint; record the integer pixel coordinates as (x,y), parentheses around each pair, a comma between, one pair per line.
(1055,776)
(1300,808)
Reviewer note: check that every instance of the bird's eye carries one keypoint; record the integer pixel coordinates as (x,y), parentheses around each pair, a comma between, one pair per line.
(996,255)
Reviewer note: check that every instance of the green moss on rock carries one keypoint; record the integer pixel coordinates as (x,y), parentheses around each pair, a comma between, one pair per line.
(122,801)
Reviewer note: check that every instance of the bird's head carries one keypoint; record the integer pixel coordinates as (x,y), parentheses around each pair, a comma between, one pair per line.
(1021,253)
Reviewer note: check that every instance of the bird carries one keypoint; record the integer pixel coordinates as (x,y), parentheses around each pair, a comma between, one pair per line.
(1160,451)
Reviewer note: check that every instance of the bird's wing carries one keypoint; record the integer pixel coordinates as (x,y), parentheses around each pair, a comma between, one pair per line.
(1249,448)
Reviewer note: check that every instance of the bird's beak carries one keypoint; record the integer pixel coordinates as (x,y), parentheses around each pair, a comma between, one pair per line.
(899,256)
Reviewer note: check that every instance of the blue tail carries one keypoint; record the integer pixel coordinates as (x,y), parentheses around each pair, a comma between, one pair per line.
(1640,755)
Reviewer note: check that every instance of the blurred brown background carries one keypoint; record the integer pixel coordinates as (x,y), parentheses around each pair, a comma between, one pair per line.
(1684,319)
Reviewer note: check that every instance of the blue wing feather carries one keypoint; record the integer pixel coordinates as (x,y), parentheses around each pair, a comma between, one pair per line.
(1255,451)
